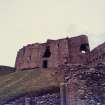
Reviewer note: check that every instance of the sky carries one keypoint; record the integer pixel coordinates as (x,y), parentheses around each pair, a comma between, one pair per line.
(24,22)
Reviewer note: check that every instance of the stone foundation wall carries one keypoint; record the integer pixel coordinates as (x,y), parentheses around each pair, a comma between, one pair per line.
(46,99)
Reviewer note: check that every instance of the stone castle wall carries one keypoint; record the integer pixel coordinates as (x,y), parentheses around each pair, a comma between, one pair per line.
(98,54)
(54,53)
(29,56)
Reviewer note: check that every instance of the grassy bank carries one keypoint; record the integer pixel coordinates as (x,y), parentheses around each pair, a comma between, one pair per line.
(21,82)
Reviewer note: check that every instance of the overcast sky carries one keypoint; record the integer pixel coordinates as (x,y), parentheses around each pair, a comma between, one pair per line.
(30,21)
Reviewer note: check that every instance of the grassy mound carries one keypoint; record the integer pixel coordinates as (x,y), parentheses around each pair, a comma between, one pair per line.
(21,82)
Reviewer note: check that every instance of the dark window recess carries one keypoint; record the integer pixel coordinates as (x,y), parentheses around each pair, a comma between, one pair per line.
(45,64)
(47,52)
(58,45)
(84,48)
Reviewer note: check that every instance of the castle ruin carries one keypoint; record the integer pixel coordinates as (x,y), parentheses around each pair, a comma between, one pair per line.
(54,53)
(83,72)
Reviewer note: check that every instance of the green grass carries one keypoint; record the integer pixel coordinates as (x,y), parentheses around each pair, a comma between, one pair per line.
(21,82)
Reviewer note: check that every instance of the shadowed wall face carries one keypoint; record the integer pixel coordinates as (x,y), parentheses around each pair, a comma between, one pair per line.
(98,55)
(54,53)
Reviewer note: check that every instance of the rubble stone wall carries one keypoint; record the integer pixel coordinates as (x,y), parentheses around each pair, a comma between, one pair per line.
(46,99)
(98,54)
(85,84)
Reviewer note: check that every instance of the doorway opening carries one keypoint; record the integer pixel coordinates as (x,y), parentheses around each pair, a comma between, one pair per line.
(45,64)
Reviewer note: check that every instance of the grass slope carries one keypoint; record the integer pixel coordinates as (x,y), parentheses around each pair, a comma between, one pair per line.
(21,82)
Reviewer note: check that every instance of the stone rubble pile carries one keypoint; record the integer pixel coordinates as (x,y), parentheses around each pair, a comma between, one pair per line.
(87,84)
(47,99)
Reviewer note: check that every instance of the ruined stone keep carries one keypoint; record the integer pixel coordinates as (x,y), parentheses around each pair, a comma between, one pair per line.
(82,70)
(54,53)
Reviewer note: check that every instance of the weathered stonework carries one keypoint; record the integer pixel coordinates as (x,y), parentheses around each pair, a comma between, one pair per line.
(98,54)
(85,85)
(53,53)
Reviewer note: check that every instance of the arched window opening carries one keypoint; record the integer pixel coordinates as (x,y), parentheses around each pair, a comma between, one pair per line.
(84,48)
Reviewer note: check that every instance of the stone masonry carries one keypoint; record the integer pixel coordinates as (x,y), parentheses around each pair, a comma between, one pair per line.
(85,85)
(53,53)
(98,54)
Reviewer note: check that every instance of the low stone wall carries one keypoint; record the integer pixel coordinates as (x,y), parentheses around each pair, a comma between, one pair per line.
(46,99)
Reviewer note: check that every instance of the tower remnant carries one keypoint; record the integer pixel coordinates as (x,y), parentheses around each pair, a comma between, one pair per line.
(54,53)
